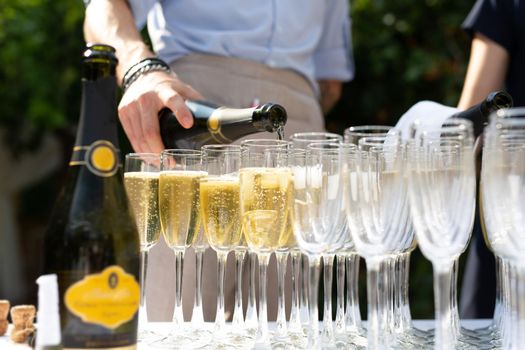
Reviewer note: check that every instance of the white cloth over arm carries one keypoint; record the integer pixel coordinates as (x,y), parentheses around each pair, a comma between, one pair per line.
(428,115)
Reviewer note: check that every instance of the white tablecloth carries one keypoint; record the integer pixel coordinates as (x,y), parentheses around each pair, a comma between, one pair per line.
(165,327)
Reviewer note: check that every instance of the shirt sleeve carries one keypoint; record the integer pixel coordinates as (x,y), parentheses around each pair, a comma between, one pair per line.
(492,19)
(140,10)
(333,58)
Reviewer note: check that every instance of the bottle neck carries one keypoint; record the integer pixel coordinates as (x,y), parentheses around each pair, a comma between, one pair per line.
(97,125)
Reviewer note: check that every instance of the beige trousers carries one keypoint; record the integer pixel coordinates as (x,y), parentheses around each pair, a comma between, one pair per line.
(234,83)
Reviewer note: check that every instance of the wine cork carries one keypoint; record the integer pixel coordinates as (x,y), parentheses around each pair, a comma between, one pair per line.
(3,327)
(20,336)
(4,309)
(23,316)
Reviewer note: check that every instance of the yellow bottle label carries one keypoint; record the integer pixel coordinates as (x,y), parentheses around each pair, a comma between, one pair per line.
(101,158)
(109,298)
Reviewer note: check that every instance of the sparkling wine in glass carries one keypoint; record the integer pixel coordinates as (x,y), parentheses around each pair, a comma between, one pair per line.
(141,180)
(179,207)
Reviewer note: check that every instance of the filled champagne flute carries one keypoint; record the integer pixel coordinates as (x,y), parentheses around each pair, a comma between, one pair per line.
(221,219)
(141,180)
(197,328)
(266,187)
(179,202)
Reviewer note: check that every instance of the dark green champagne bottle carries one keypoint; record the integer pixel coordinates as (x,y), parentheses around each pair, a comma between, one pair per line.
(214,124)
(91,242)
(479,114)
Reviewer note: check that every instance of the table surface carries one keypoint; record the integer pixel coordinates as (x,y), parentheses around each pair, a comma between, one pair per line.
(164,327)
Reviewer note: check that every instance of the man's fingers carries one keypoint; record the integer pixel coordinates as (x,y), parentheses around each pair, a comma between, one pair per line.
(190,93)
(127,125)
(175,102)
(150,126)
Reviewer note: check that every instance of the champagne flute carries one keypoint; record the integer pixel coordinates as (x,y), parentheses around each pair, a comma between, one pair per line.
(141,180)
(442,189)
(198,329)
(301,141)
(318,216)
(352,319)
(502,189)
(220,212)
(179,181)
(377,212)
(266,187)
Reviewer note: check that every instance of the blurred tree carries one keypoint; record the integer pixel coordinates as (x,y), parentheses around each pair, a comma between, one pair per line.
(405,51)
(40,43)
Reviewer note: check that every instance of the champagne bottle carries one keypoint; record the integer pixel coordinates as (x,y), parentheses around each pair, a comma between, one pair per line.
(214,124)
(91,242)
(479,114)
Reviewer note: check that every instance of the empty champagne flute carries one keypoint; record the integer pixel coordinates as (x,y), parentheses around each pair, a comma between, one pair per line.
(318,216)
(378,216)
(179,181)
(301,141)
(266,187)
(502,189)
(141,180)
(352,321)
(442,190)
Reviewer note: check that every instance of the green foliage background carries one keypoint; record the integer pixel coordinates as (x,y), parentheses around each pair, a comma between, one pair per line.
(405,51)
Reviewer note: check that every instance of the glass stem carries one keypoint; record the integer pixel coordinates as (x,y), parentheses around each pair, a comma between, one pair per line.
(305,310)
(251,312)
(197,318)
(353,313)
(498,307)
(454,299)
(238,318)
(282,259)
(219,316)
(263,335)
(405,302)
(328,329)
(376,299)
(445,334)
(178,317)
(397,281)
(295,315)
(143,316)
(314,269)
(340,326)
(388,276)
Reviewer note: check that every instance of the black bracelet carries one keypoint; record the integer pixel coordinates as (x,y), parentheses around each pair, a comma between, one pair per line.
(146,65)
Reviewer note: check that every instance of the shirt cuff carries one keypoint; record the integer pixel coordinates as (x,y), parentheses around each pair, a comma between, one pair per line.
(334,64)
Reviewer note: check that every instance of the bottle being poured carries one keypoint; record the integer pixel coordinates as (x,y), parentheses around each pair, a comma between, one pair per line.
(214,124)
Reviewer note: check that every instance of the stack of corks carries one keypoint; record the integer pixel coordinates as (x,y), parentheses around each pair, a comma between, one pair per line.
(22,316)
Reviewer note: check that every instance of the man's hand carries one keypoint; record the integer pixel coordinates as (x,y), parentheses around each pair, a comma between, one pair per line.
(141,103)
(330,94)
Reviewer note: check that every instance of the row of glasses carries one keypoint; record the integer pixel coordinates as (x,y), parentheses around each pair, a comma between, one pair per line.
(503,212)
(165,191)
(373,178)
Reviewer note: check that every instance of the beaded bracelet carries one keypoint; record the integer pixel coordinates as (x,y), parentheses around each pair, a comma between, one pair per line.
(146,65)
